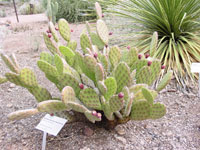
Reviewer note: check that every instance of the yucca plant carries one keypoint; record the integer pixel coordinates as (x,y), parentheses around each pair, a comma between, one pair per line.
(176,26)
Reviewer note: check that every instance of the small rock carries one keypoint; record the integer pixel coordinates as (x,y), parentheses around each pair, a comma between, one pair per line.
(88,131)
(12,85)
(120,130)
(121,139)
(9,105)
(85,148)
(9,90)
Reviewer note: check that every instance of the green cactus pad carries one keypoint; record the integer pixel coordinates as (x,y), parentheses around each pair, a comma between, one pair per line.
(144,76)
(116,103)
(140,110)
(85,43)
(135,88)
(14,78)
(154,93)
(114,55)
(155,70)
(132,81)
(21,114)
(40,93)
(99,72)
(153,45)
(90,117)
(47,57)
(87,81)
(98,10)
(9,63)
(90,63)
(148,96)
(88,27)
(68,53)
(138,65)
(90,98)
(77,106)
(102,31)
(165,80)
(104,61)
(47,68)
(64,29)
(132,56)
(157,111)
(96,40)
(28,78)
(59,64)
(138,96)
(68,95)
(129,104)
(102,87)
(53,31)
(72,45)
(68,80)
(50,45)
(51,106)
(122,75)
(3,80)
(111,86)
(126,92)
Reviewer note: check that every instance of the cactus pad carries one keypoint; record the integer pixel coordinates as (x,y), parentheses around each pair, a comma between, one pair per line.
(64,29)
(47,57)
(53,31)
(14,78)
(165,80)
(157,111)
(153,45)
(122,75)
(59,64)
(140,110)
(114,55)
(98,10)
(47,68)
(85,43)
(40,93)
(77,106)
(21,114)
(102,87)
(68,53)
(72,45)
(126,92)
(96,40)
(90,98)
(51,106)
(99,72)
(111,85)
(143,76)
(147,95)
(28,78)
(87,81)
(129,104)
(132,56)
(68,95)
(116,103)
(135,88)
(102,31)
(91,117)
(9,63)
(50,45)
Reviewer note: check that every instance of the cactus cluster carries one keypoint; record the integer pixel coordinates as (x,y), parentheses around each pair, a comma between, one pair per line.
(98,81)
(52,9)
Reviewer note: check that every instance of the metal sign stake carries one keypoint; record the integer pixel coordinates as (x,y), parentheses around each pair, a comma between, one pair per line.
(44,140)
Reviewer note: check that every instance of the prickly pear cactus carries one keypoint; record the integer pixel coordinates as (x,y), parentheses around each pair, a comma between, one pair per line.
(99,82)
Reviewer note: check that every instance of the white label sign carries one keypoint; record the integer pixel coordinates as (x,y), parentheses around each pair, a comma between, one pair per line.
(51,124)
(195,67)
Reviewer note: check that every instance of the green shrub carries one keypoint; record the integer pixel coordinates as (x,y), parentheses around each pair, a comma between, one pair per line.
(177,24)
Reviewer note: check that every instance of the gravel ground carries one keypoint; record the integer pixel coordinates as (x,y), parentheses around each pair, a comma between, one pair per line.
(178,130)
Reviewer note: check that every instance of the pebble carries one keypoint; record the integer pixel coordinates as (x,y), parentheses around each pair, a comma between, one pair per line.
(120,130)
(120,139)
(85,148)
(12,85)
(9,105)
(88,131)
(9,90)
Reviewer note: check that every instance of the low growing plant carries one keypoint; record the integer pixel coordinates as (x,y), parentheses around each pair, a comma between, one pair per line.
(100,82)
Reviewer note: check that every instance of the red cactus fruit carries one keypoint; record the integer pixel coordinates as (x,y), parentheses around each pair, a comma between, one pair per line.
(140,56)
(95,55)
(128,47)
(72,30)
(162,67)
(149,63)
(81,86)
(147,55)
(106,46)
(98,115)
(102,15)
(94,113)
(56,28)
(49,35)
(51,114)
(121,95)
(110,33)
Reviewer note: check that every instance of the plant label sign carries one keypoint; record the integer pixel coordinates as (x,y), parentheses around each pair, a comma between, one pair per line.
(195,67)
(51,124)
